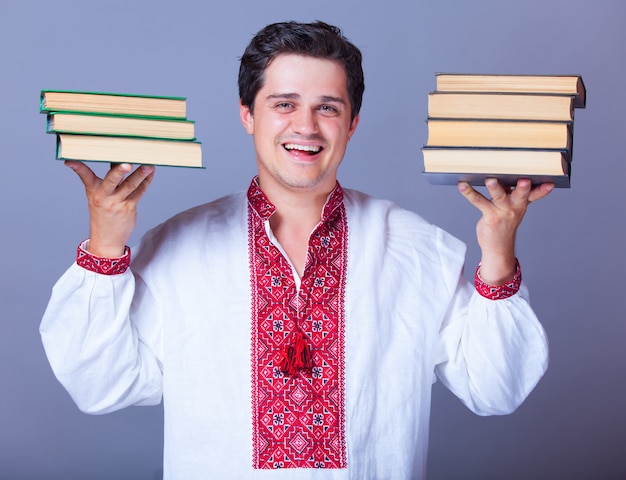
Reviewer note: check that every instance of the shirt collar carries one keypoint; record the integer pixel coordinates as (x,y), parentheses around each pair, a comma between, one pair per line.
(265,209)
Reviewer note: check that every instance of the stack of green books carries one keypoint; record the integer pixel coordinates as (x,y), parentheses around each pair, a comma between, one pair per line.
(503,126)
(121,128)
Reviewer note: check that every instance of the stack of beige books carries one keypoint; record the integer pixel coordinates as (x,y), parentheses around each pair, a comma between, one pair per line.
(121,128)
(503,126)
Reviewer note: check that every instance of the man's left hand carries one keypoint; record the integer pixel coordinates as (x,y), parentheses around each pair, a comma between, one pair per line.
(497,227)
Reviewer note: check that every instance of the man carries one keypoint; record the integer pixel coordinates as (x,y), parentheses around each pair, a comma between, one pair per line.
(297,325)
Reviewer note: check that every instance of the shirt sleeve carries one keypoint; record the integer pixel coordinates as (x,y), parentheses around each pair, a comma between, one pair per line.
(93,345)
(498,292)
(492,353)
(105,266)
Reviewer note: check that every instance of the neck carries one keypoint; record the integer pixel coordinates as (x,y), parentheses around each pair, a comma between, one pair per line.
(298,211)
(296,207)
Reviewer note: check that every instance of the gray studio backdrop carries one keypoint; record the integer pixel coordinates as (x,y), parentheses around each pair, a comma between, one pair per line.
(573,426)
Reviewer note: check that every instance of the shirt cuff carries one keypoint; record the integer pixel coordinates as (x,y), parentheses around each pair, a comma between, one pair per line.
(104,266)
(499,292)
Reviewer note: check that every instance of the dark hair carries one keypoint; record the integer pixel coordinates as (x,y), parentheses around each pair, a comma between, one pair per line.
(317,39)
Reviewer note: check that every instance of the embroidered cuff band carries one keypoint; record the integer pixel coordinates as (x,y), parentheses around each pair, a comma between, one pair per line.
(105,266)
(502,291)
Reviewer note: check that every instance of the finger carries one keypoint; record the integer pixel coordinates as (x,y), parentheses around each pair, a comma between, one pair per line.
(143,184)
(115,176)
(521,192)
(497,192)
(128,185)
(540,191)
(85,173)
(474,196)
(127,188)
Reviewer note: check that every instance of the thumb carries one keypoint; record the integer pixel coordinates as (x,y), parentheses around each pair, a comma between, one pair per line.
(85,173)
(473,196)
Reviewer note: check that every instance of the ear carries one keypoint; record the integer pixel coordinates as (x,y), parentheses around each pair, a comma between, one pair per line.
(353,126)
(247,119)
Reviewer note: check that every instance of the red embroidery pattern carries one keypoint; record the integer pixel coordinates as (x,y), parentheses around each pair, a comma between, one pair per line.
(298,420)
(499,292)
(105,266)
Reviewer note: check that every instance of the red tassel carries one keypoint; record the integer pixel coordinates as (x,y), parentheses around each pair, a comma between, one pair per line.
(296,356)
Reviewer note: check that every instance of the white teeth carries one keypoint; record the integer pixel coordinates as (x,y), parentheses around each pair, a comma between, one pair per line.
(303,148)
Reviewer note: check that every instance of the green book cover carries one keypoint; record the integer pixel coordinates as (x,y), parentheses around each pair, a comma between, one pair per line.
(115,103)
(90,123)
(99,148)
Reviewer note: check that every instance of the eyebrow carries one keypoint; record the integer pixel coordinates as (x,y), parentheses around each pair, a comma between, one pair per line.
(295,96)
(327,98)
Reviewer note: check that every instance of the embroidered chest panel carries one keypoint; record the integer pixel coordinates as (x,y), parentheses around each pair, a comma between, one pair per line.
(298,418)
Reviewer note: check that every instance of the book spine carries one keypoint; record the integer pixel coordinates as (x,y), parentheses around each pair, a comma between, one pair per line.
(58,148)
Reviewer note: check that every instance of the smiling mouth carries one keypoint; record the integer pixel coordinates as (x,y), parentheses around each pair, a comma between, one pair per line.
(310,149)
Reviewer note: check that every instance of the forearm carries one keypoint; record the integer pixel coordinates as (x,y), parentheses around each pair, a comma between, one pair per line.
(506,351)
(493,351)
(92,346)
(497,268)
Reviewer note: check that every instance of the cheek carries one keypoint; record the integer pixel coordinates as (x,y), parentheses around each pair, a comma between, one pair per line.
(278,123)
(340,134)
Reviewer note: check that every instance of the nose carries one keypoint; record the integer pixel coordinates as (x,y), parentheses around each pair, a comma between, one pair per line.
(304,122)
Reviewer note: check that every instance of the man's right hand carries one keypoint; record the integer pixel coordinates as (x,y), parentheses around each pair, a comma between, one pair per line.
(112,205)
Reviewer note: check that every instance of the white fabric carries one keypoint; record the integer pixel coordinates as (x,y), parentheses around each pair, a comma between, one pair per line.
(410,315)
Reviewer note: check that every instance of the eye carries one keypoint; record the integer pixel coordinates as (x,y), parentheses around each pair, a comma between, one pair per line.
(329,109)
(283,106)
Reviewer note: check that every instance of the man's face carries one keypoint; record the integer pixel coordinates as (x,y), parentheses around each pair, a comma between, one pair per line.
(301,123)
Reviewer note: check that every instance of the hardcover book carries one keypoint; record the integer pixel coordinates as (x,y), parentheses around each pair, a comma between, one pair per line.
(99,148)
(503,126)
(500,106)
(106,124)
(114,103)
(450,165)
(499,133)
(502,83)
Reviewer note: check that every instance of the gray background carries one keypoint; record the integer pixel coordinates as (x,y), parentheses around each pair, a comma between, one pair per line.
(571,244)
